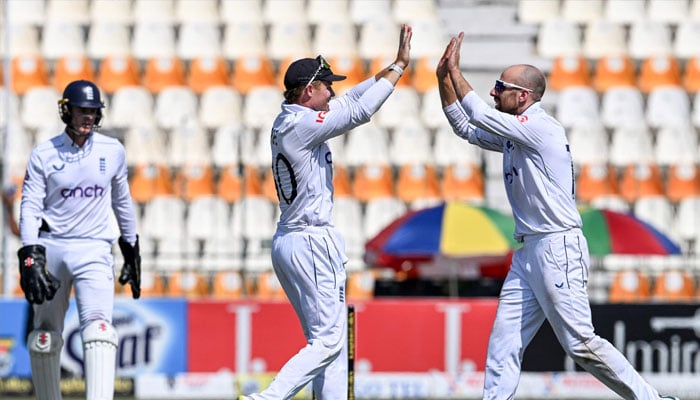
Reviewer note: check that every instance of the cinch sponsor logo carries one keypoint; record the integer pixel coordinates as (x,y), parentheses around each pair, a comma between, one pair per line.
(83,192)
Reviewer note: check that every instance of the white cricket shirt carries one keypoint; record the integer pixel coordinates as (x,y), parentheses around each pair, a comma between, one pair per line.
(301,159)
(537,165)
(74,189)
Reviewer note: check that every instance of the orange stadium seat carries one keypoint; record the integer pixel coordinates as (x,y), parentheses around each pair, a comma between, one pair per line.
(639,180)
(192,181)
(380,62)
(29,71)
(116,72)
(227,285)
(360,285)
(596,180)
(267,287)
(568,71)
(659,71)
(350,66)
(152,285)
(161,72)
(206,72)
(229,186)
(691,74)
(416,182)
(614,70)
(630,286)
(682,181)
(71,68)
(341,181)
(462,182)
(268,185)
(423,77)
(674,286)
(373,181)
(251,71)
(252,181)
(149,181)
(190,284)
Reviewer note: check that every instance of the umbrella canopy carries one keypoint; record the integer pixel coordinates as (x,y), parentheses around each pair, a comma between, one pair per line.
(611,232)
(450,231)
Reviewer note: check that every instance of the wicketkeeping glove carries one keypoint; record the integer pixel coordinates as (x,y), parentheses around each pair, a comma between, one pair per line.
(131,271)
(36,282)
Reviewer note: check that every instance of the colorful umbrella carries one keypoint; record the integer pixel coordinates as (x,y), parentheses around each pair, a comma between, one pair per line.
(611,232)
(450,231)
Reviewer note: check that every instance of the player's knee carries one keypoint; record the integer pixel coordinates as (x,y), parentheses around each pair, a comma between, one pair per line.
(44,342)
(583,352)
(99,331)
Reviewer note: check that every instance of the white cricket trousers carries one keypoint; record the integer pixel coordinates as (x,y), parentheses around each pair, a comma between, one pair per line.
(310,266)
(548,279)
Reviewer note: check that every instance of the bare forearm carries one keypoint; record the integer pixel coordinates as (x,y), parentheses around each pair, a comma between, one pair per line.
(461,86)
(447,91)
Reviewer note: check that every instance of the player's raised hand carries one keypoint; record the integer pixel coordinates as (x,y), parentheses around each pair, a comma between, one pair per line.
(403,56)
(442,71)
(455,50)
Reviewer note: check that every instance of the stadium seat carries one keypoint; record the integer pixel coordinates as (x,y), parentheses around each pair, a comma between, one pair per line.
(227,285)
(28,71)
(145,144)
(38,107)
(110,11)
(417,181)
(152,284)
(60,39)
(657,211)
(162,11)
(72,68)
(691,75)
(378,37)
(261,106)
(378,63)
(322,11)
(668,105)
(162,72)
(243,39)
(188,144)
(558,37)
(352,67)
(164,221)
(268,185)
(368,143)
(676,144)
(640,180)
(334,37)
(668,12)
(288,39)
(682,181)
(631,144)
(266,286)
(403,102)
(362,11)
(630,286)
(226,148)
(198,39)
(674,286)
(577,105)
(622,105)
(414,11)
(451,149)
(614,70)
(282,11)
(569,71)
(187,284)
(174,106)
(250,72)
(588,144)
(206,72)
(131,106)
(431,114)
(373,181)
(153,39)
(648,38)
(219,106)
(360,285)
(348,219)
(537,11)
(625,11)
(659,71)
(380,212)
(432,39)
(423,75)
(687,224)
(150,181)
(193,181)
(594,181)
(603,38)
(259,223)
(686,42)
(197,11)
(582,11)
(229,186)
(107,39)
(17,147)
(411,143)
(118,71)
(463,182)
(27,12)
(241,11)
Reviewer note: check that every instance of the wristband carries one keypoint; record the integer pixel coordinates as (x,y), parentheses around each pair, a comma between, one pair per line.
(394,67)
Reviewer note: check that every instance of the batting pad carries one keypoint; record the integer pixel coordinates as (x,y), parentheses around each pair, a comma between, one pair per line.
(45,356)
(100,355)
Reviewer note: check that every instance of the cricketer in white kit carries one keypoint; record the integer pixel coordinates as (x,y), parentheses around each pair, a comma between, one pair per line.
(308,253)
(549,274)
(72,183)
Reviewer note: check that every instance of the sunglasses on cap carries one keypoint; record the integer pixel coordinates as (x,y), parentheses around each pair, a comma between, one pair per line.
(503,85)
(322,64)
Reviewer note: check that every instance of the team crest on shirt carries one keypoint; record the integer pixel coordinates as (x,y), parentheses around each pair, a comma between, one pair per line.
(522,118)
(321,116)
